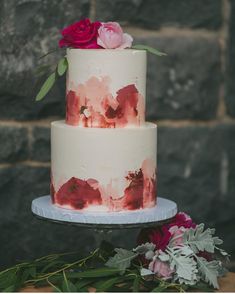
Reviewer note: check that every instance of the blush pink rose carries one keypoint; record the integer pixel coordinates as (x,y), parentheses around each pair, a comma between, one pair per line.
(161,269)
(111,36)
(177,235)
(82,34)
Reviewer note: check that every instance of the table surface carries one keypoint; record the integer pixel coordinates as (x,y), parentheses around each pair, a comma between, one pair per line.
(227,284)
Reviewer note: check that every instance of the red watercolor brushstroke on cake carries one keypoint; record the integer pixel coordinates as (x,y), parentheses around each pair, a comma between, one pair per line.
(52,190)
(79,194)
(92,105)
(140,192)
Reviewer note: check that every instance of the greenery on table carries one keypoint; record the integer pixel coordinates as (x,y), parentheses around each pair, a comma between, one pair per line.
(79,275)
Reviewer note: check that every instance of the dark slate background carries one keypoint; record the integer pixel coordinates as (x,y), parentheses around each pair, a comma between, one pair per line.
(190,93)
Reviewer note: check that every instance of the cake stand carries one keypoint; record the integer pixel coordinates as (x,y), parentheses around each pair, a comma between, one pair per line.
(103,223)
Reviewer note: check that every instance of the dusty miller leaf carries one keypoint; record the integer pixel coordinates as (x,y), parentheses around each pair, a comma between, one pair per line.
(209,271)
(122,259)
(145,272)
(144,248)
(182,261)
(200,240)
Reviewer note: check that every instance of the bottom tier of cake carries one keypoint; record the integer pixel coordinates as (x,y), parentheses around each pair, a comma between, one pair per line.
(103,169)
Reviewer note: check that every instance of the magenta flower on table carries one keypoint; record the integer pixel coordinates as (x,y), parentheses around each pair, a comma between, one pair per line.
(160,237)
(182,220)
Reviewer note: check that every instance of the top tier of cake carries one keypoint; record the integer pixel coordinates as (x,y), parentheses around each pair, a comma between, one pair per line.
(106,88)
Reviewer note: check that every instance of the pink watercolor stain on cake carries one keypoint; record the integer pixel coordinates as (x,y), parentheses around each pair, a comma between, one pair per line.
(92,105)
(139,193)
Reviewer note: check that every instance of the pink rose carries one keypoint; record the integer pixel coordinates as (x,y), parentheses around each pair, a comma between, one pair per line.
(111,36)
(81,34)
(177,235)
(161,269)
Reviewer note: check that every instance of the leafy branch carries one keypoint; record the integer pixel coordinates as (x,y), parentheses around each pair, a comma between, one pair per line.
(149,49)
(50,81)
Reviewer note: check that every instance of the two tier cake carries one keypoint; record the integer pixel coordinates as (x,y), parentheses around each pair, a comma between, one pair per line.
(104,154)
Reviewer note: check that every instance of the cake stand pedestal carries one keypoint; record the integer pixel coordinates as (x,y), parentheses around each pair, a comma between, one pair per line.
(103,223)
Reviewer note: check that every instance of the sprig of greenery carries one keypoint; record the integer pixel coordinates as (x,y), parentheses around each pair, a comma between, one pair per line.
(90,272)
(149,49)
(50,81)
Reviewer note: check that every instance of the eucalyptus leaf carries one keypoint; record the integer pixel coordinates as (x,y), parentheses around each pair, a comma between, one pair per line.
(62,66)
(122,259)
(48,84)
(149,49)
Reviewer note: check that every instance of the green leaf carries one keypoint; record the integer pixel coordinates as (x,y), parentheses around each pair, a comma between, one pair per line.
(136,284)
(9,289)
(103,286)
(149,49)
(95,273)
(56,288)
(203,287)
(62,66)
(68,287)
(32,271)
(160,288)
(51,265)
(122,259)
(48,84)
(82,283)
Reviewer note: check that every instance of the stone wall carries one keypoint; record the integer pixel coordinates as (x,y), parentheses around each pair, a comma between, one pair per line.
(190,93)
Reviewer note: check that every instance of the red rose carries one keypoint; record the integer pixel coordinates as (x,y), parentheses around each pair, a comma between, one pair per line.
(81,34)
(159,236)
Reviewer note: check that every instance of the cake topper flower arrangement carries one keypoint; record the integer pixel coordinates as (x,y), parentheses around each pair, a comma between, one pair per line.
(178,256)
(85,34)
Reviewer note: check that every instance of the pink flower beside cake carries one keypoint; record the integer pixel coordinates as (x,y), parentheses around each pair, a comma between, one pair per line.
(103,156)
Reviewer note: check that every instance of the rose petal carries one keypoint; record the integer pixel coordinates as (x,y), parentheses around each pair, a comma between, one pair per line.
(126,41)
